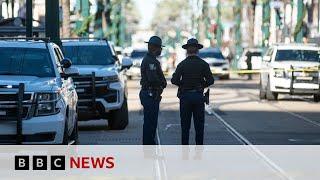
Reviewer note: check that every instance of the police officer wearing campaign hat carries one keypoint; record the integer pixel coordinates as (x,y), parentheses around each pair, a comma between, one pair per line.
(152,84)
(192,76)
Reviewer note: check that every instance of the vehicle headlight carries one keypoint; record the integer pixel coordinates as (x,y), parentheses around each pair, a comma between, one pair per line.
(279,73)
(46,104)
(114,78)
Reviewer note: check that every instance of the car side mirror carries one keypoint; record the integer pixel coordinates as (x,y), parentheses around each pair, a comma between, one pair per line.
(116,57)
(66,63)
(126,63)
(70,72)
(266,58)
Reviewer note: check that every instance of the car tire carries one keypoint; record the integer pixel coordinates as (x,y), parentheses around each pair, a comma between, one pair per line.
(225,77)
(262,93)
(316,97)
(119,119)
(271,96)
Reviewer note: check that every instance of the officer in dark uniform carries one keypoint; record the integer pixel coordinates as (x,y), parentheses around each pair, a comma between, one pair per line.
(152,84)
(192,76)
(249,64)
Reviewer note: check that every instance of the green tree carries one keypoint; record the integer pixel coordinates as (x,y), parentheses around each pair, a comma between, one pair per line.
(171,16)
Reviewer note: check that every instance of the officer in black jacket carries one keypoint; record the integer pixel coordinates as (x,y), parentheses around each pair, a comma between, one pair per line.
(192,76)
(152,84)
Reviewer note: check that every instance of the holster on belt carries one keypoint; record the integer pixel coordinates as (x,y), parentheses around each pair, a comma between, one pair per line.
(155,93)
(207,96)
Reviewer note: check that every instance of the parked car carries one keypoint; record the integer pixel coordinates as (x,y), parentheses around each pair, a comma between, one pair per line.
(136,57)
(101,83)
(290,69)
(218,64)
(38,100)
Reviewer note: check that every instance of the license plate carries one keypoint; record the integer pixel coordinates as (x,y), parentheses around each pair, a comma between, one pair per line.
(80,90)
(305,78)
(3,113)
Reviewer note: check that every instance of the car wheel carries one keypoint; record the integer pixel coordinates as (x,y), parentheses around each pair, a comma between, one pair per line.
(262,93)
(316,97)
(271,96)
(225,77)
(119,119)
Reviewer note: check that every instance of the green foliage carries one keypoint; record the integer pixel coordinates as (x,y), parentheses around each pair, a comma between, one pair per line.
(171,15)
(84,29)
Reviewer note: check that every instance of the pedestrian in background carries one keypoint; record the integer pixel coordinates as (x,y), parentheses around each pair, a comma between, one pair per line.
(192,75)
(152,84)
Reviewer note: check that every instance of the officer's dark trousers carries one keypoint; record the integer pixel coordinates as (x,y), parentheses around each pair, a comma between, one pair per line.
(192,104)
(150,119)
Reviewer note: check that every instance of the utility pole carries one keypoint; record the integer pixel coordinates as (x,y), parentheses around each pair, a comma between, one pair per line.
(29,18)
(52,21)
(238,46)
(220,29)
(265,23)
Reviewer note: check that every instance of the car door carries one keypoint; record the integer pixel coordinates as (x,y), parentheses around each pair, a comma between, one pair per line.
(69,93)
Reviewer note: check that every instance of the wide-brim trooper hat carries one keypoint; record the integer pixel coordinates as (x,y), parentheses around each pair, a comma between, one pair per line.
(155,40)
(192,43)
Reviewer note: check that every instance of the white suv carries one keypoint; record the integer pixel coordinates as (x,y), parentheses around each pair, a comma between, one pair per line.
(38,101)
(290,69)
(101,83)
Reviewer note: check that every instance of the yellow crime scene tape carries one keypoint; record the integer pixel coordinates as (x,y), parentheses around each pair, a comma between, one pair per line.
(257,71)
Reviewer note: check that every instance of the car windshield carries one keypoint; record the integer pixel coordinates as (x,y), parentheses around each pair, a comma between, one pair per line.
(89,55)
(26,62)
(138,54)
(211,54)
(297,55)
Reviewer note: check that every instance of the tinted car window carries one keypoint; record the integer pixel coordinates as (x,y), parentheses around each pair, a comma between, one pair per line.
(138,54)
(211,54)
(26,62)
(89,55)
(297,55)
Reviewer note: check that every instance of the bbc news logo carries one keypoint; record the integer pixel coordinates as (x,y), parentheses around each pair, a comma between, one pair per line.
(59,162)
(40,162)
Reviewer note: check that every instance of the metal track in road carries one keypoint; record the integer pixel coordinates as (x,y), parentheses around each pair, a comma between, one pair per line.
(253,97)
(280,172)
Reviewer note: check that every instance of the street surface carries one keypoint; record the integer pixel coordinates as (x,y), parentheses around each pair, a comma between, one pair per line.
(236,116)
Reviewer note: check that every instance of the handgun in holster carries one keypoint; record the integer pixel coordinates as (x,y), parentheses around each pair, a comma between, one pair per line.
(207,96)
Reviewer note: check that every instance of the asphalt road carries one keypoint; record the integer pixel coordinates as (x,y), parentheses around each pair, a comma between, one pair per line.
(235,116)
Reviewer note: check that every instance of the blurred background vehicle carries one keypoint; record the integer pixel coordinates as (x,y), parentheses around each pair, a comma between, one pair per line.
(136,58)
(218,64)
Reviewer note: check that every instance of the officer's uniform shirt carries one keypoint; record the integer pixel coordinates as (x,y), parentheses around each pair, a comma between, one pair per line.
(151,73)
(193,73)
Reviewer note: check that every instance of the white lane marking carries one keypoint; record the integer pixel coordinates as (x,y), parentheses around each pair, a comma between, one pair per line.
(273,166)
(299,116)
(286,111)
(160,154)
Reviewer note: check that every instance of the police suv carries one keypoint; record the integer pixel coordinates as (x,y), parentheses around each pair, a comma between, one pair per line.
(101,83)
(38,101)
(290,69)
